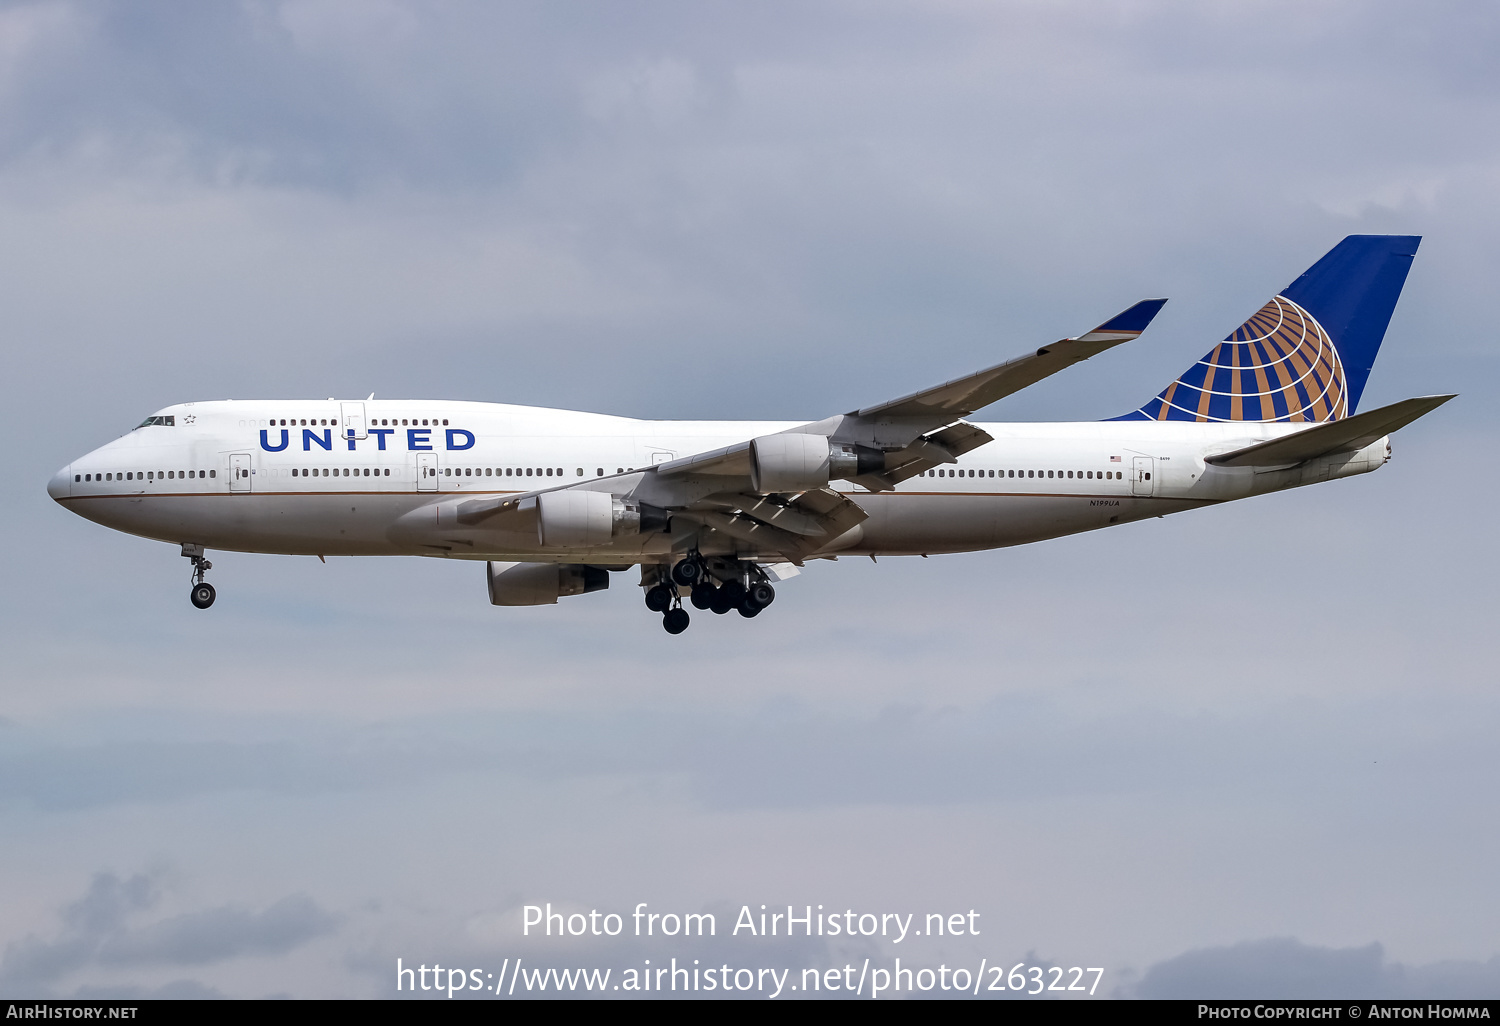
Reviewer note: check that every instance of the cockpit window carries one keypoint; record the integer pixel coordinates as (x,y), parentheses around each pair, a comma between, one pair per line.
(158,422)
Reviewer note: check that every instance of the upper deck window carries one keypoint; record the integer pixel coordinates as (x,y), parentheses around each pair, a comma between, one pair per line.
(158,422)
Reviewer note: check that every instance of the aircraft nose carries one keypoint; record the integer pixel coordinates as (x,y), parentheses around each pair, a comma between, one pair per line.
(61,485)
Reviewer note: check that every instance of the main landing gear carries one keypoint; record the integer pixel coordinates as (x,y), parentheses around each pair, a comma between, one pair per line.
(721,587)
(203,593)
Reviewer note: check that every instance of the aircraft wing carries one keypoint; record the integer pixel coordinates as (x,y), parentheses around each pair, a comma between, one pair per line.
(1335,436)
(879,445)
(963,396)
(926,429)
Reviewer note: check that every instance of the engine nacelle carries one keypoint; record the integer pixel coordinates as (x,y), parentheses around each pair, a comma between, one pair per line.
(799,462)
(575,519)
(789,463)
(541,584)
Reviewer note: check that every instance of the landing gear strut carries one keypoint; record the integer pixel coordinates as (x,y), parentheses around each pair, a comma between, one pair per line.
(717,584)
(202,595)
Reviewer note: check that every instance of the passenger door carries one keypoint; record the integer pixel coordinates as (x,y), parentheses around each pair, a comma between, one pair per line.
(1143,479)
(354,420)
(240,469)
(427,472)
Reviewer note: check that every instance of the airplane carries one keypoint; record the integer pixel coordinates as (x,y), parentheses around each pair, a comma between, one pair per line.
(714,512)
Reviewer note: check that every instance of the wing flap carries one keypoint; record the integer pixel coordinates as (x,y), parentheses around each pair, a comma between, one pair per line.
(805,524)
(1334,436)
(931,450)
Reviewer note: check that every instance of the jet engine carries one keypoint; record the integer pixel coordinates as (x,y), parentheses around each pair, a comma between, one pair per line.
(541,584)
(800,463)
(576,519)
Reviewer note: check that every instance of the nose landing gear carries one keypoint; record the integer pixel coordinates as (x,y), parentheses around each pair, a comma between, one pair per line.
(202,595)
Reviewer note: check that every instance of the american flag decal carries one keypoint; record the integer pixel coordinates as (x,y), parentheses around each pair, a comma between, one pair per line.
(1114,459)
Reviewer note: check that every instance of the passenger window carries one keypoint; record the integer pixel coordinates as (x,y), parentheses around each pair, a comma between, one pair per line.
(599,472)
(445,423)
(549,471)
(580,471)
(528,471)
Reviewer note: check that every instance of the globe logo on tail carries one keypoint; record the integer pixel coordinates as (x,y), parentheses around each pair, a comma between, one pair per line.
(1280,365)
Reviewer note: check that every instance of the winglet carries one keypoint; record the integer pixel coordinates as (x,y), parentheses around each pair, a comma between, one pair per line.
(1128,323)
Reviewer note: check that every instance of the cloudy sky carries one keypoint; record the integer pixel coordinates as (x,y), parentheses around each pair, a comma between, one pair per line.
(1248,750)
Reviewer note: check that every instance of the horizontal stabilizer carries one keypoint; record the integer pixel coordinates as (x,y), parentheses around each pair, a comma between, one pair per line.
(1335,436)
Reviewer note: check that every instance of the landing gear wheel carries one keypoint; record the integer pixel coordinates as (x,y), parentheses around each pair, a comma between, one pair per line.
(703,595)
(749,609)
(686,572)
(676,620)
(721,601)
(659,598)
(761,593)
(202,595)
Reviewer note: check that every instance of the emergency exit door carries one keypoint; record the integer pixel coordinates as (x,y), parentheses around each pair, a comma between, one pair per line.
(240,469)
(1143,478)
(427,472)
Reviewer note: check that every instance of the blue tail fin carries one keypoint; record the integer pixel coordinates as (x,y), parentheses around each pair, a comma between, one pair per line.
(1305,355)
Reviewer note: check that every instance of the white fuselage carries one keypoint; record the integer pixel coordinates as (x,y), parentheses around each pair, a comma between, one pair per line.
(287,477)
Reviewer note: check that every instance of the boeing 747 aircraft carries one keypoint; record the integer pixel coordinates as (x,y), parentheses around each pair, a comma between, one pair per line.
(713,512)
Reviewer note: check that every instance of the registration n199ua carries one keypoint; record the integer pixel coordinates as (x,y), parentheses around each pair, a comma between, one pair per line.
(715,512)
